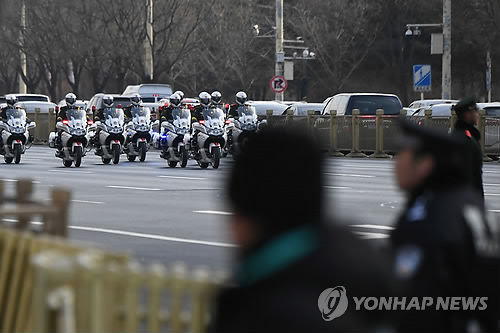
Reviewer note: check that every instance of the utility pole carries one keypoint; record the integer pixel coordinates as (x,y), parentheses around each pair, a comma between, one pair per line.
(22,54)
(280,54)
(148,43)
(446,77)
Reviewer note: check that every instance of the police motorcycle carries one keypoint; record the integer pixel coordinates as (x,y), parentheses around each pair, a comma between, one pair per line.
(245,126)
(73,138)
(210,135)
(110,134)
(175,138)
(15,135)
(138,134)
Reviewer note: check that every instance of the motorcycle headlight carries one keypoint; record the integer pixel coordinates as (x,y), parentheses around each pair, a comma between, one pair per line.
(215,131)
(182,131)
(142,128)
(77,131)
(249,127)
(16,129)
(115,130)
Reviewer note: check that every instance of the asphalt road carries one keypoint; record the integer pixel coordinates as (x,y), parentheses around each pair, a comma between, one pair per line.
(163,214)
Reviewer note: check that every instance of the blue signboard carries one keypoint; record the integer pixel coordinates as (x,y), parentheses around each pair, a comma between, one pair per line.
(422,78)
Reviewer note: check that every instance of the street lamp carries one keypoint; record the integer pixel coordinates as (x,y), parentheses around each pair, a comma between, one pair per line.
(446,62)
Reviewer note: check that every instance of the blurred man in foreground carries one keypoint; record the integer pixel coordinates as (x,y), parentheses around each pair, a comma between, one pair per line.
(288,255)
(443,245)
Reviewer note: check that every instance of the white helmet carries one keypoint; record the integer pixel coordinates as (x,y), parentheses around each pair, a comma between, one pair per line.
(70,100)
(11,100)
(107,100)
(136,99)
(205,99)
(241,98)
(175,100)
(216,97)
(180,93)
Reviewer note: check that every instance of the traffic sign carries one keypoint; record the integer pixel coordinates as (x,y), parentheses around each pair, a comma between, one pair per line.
(422,78)
(278,84)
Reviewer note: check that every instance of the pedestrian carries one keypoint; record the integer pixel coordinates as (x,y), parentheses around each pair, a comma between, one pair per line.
(442,243)
(466,125)
(288,255)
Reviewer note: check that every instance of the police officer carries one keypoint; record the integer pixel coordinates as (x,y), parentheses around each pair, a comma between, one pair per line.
(217,99)
(135,103)
(175,101)
(467,120)
(205,102)
(442,241)
(70,100)
(287,254)
(241,99)
(107,102)
(11,100)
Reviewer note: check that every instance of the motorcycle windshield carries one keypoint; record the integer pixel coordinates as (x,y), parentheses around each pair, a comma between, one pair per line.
(181,117)
(247,114)
(113,113)
(76,114)
(140,112)
(214,118)
(16,114)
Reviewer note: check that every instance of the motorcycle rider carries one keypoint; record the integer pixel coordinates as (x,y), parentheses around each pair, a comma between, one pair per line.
(180,93)
(241,100)
(197,113)
(70,100)
(11,101)
(174,101)
(217,99)
(136,103)
(107,102)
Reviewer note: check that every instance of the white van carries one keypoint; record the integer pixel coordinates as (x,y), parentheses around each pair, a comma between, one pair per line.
(367,103)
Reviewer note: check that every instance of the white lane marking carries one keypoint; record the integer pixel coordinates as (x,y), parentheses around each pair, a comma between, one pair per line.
(16,180)
(71,171)
(371,235)
(487,171)
(389,204)
(350,175)
(375,168)
(491,184)
(372,226)
(493,194)
(88,202)
(212,212)
(141,235)
(494,210)
(134,188)
(338,187)
(31,159)
(178,177)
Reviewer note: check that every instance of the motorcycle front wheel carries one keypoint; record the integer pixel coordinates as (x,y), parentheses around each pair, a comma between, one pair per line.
(184,157)
(215,157)
(142,151)
(8,160)
(116,154)
(17,153)
(78,156)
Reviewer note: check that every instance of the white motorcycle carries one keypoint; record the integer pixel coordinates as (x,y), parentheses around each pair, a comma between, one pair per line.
(15,135)
(175,138)
(138,134)
(110,135)
(73,138)
(209,137)
(245,126)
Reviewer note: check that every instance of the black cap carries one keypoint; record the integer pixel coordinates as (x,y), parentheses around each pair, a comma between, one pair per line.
(277,180)
(466,104)
(450,166)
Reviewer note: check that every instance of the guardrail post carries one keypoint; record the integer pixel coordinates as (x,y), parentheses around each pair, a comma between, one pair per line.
(482,130)
(37,128)
(269,113)
(310,121)
(453,119)
(58,223)
(379,141)
(52,120)
(23,195)
(427,117)
(355,152)
(333,135)
(289,116)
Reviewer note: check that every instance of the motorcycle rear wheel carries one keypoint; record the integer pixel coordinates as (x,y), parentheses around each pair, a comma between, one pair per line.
(131,158)
(172,164)
(204,165)
(67,163)
(8,160)
(106,160)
